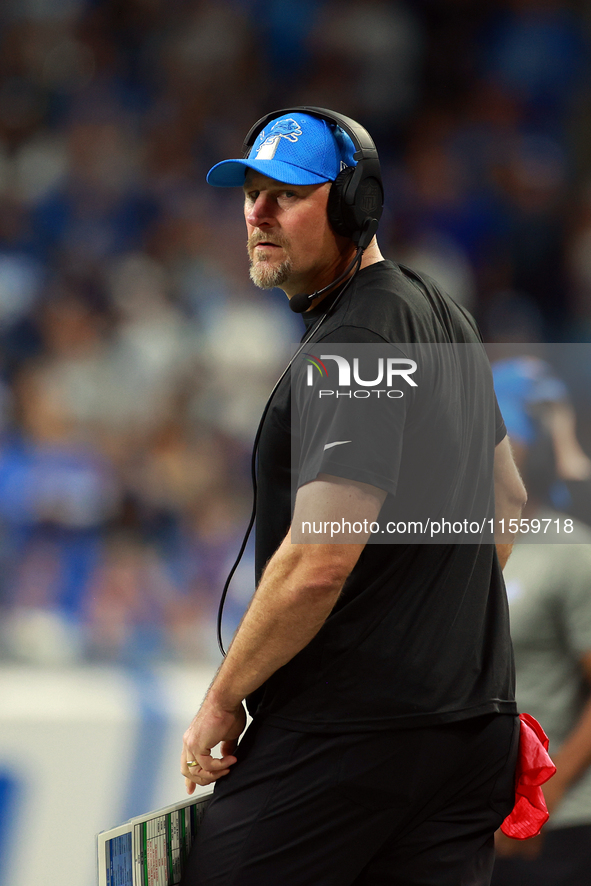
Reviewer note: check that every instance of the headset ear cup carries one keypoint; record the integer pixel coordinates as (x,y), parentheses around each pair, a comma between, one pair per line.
(350,206)
(340,215)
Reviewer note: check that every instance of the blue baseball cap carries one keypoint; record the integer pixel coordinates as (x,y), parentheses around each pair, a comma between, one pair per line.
(296,150)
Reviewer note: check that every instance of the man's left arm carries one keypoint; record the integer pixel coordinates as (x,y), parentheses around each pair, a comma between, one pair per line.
(574,756)
(295,596)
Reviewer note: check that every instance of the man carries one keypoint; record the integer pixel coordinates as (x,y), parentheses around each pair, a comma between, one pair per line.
(379,676)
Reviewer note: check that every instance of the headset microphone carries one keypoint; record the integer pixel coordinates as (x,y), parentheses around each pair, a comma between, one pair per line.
(301,302)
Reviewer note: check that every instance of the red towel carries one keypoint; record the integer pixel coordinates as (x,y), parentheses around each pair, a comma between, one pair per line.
(534,767)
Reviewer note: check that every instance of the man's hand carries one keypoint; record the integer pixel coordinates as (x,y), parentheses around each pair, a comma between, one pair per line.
(211,726)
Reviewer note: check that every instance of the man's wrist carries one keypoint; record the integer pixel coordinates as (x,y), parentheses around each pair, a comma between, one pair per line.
(220,701)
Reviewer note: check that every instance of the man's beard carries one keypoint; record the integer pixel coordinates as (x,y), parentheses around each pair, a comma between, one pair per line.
(262,273)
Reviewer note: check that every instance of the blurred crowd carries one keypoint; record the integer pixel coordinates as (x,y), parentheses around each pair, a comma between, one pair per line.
(135,353)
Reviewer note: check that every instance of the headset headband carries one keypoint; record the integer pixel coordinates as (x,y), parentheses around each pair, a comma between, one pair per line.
(365,148)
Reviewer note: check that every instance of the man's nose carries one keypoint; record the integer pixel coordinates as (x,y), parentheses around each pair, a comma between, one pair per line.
(260,212)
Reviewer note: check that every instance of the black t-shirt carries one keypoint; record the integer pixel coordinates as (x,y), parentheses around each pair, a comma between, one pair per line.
(420,633)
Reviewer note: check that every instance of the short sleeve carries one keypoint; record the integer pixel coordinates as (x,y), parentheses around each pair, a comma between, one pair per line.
(352,433)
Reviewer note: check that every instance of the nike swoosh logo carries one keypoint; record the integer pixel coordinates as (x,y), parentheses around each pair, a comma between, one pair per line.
(338,443)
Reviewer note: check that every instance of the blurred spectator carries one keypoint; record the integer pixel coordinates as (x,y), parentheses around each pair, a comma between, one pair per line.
(284,29)
(547,578)
(513,317)
(134,608)
(532,185)
(445,261)
(378,47)
(541,423)
(101,207)
(537,50)
(578,263)
(56,494)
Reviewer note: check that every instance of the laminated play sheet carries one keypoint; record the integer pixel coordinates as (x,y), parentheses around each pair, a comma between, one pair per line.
(150,849)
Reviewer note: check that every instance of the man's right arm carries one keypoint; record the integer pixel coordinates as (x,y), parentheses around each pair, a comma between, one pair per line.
(510,498)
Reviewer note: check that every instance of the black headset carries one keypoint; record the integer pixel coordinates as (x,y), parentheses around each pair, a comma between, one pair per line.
(356,197)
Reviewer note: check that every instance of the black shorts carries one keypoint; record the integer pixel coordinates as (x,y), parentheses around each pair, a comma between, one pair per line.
(413,806)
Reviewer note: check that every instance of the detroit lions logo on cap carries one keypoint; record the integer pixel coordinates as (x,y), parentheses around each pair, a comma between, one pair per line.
(287,128)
